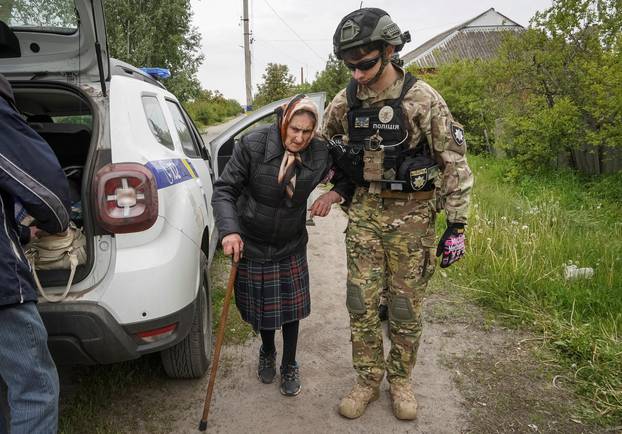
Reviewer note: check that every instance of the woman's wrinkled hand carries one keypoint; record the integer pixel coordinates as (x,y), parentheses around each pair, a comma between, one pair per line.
(321,206)
(232,244)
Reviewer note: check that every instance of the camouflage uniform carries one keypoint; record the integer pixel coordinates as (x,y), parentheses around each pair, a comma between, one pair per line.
(396,237)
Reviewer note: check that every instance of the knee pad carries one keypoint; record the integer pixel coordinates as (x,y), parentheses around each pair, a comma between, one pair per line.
(354,300)
(401,309)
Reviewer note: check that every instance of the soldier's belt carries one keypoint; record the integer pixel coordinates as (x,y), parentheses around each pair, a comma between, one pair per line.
(414,195)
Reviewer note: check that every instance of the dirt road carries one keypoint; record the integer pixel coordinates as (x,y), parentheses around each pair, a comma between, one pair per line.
(472,375)
(243,404)
(214,130)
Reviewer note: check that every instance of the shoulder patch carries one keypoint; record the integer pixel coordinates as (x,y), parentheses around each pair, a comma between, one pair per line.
(457,133)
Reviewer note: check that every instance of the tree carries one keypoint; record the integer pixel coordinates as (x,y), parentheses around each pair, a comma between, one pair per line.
(553,89)
(157,33)
(211,107)
(332,79)
(466,88)
(561,81)
(277,83)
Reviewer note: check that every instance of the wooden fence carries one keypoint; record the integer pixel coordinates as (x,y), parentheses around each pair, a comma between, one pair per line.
(588,159)
(599,160)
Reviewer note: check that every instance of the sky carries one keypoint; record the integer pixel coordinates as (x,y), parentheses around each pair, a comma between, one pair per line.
(299,33)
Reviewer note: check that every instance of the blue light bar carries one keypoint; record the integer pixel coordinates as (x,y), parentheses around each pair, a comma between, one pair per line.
(157,72)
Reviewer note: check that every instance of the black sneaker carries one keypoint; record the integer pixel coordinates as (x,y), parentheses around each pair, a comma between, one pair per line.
(383,312)
(290,380)
(266,370)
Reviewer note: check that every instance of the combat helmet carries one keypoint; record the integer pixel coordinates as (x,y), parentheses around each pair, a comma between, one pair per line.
(367,25)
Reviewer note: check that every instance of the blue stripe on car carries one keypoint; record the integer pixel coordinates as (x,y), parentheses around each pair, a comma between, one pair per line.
(170,172)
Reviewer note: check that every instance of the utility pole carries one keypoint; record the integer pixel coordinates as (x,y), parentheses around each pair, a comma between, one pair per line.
(302,76)
(247,57)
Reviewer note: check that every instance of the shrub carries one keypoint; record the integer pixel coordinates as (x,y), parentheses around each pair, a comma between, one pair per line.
(211,108)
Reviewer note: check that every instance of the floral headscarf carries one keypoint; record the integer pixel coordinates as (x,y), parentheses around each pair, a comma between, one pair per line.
(287,171)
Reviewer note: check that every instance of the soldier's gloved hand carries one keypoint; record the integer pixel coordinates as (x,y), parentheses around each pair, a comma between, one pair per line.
(451,245)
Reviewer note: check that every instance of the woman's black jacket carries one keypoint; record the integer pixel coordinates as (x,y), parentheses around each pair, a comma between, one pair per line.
(248,200)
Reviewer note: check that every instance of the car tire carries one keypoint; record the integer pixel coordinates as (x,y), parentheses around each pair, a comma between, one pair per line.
(190,358)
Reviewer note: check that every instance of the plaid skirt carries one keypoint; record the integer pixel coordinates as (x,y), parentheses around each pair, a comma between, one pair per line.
(270,294)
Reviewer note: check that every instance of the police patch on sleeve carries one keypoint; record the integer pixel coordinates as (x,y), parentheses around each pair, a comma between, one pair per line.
(418,178)
(457,132)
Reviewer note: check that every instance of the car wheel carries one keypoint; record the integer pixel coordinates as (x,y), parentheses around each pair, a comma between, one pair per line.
(190,358)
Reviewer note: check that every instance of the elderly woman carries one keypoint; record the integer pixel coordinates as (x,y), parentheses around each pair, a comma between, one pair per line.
(260,208)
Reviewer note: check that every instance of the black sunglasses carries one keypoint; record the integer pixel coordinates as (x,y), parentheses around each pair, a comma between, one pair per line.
(365,65)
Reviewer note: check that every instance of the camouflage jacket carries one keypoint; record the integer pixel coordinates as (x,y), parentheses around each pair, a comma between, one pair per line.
(429,117)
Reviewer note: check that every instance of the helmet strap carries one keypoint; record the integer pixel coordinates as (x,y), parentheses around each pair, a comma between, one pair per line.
(384,62)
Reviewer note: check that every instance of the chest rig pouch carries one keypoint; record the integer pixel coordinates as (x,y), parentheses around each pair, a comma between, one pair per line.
(380,135)
(348,158)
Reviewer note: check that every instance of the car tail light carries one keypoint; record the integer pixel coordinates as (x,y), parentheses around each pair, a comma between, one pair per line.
(127,197)
(157,334)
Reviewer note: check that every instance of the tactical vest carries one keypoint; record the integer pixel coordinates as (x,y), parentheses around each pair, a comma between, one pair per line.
(378,139)
(379,146)
(388,123)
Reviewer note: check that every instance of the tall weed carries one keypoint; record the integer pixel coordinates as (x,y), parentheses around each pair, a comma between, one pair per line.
(523,231)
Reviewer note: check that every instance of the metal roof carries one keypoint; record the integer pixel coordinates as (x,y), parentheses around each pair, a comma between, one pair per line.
(477,38)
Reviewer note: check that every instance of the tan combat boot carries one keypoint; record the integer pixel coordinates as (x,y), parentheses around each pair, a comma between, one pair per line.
(404,402)
(353,405)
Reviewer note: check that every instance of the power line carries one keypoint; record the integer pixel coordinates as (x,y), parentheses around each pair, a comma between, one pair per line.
(277,48)
(292,40)
(294,32)
(285,53)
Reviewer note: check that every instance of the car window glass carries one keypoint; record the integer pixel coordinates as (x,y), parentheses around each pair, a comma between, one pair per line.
(54,16)
(195,133)
(156,121)
(183,130)
(79,119)
(270,119)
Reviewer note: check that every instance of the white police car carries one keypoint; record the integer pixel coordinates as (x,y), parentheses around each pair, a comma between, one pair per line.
(141,181)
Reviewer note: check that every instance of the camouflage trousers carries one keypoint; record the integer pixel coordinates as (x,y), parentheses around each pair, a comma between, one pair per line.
(389,243)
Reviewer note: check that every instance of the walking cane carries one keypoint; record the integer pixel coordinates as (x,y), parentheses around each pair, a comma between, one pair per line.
(219,338)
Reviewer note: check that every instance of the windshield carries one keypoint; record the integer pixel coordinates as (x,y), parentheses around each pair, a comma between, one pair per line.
(55,16)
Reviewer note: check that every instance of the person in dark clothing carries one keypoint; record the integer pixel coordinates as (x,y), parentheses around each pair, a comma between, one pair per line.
(30,178)
(260,208)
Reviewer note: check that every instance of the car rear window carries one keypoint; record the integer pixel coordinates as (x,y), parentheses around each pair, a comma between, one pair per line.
(54,16)
(156,121)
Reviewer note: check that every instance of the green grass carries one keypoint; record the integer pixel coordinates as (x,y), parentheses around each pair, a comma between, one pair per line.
(236,330)
(522,232)
(94,407)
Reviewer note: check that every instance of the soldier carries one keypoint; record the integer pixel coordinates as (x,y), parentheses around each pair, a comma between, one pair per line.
(396,139)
